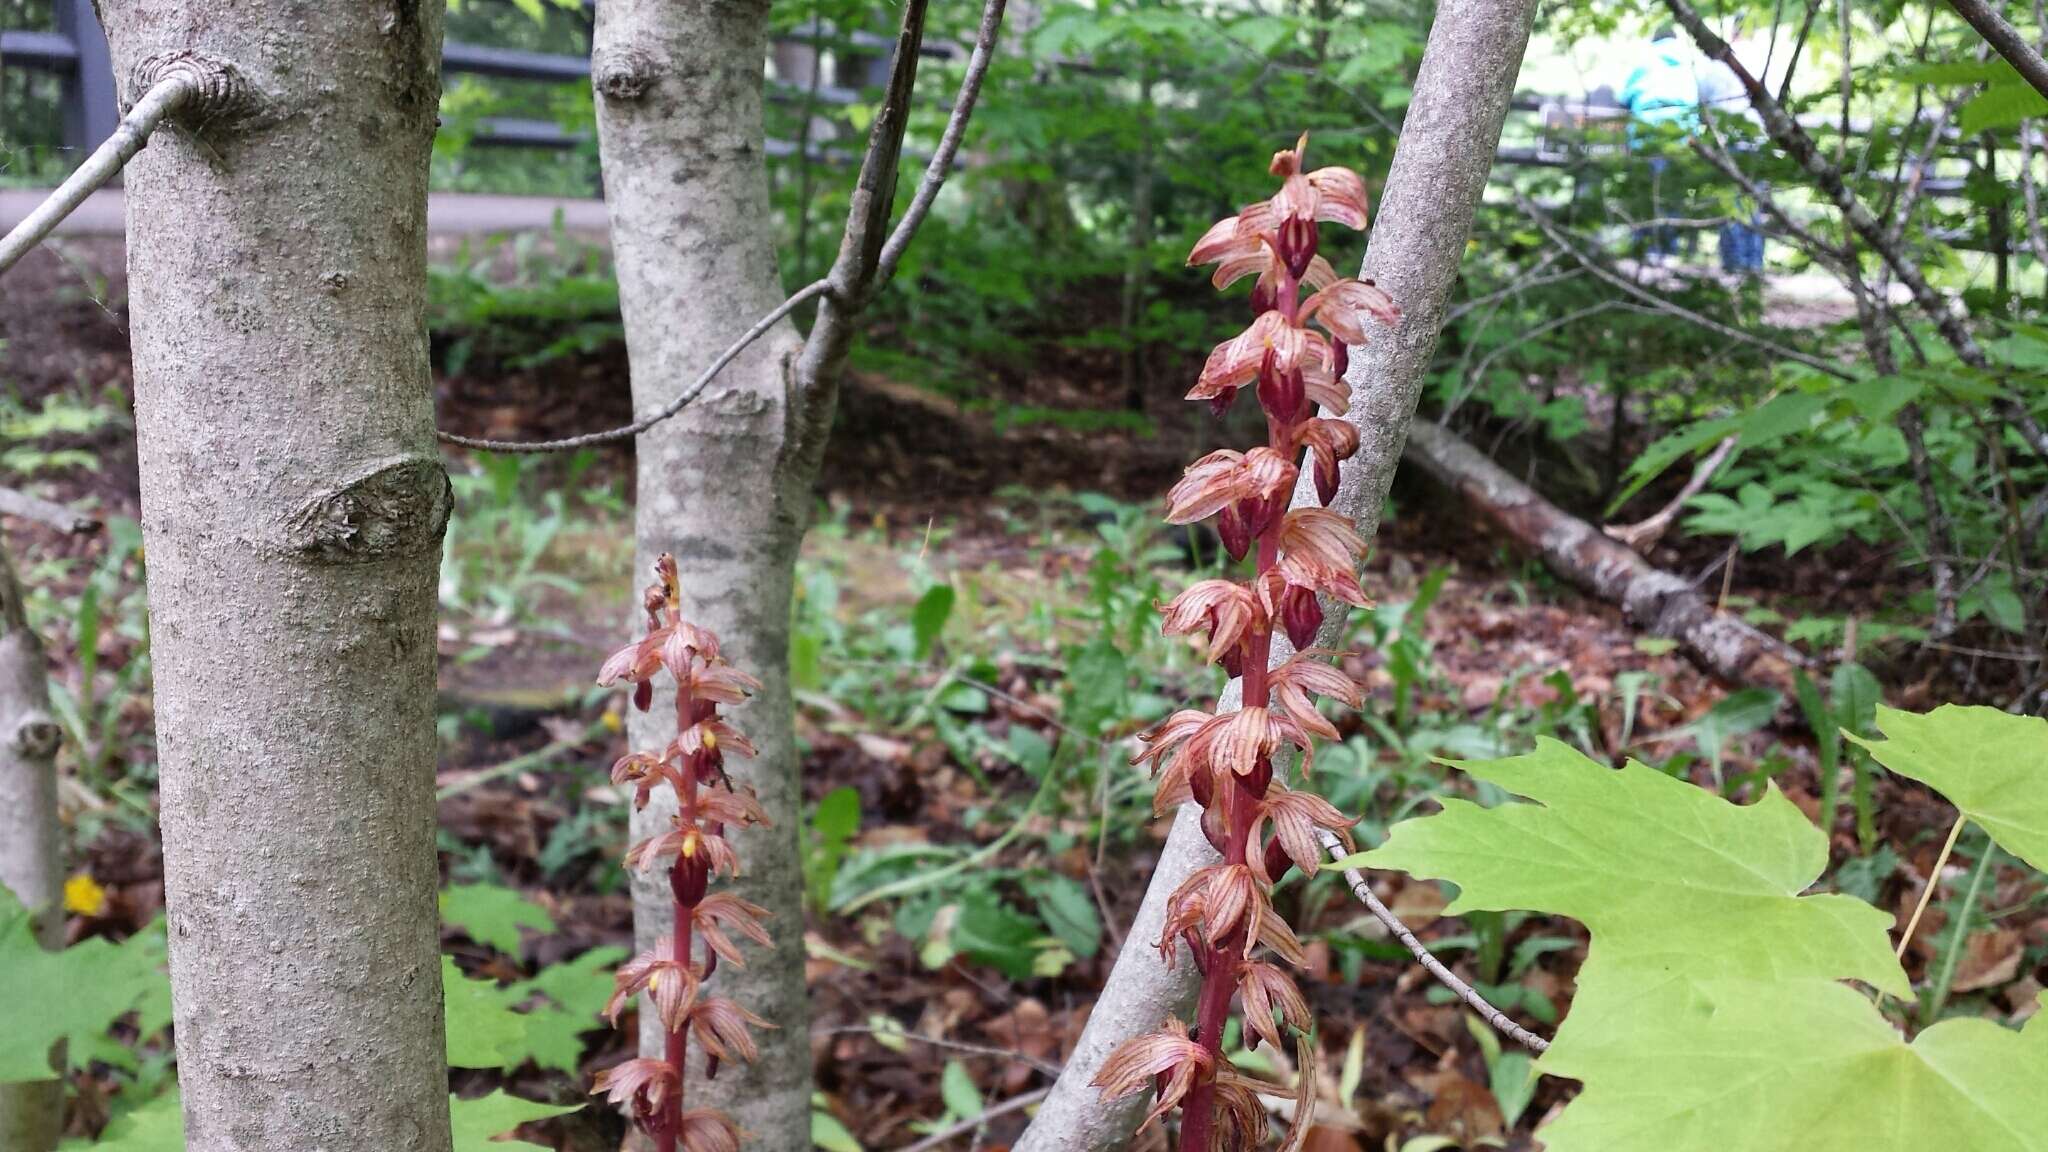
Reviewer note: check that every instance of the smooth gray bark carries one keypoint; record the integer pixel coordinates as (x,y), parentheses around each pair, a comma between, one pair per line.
(32,1113)
(724,485)
(293,502)
(1418,237)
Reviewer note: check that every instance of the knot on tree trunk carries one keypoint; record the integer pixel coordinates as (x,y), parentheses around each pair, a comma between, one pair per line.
(397,508)
(219,92)
(624,74)
(37,737)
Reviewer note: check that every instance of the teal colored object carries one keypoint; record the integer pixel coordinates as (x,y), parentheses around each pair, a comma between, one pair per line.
(1665,89)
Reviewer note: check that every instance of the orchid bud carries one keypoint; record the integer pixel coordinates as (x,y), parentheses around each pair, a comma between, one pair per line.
(1237,538)
(1259,778)
(1215,828)
(1340,359)
(1265,297)
(1284,395)
(1277,860)
(1326,479)
(1233,663)
(1301,614)
(1260,513)
(1220,403)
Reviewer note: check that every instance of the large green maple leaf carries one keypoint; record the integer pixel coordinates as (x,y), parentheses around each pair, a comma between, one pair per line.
(478,1123)
(1991,764)
(1675,884)
(493,915)
(1801,1066)
(158,1125)
(71,995)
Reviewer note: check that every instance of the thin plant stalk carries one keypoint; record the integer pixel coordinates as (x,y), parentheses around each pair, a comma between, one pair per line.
(1933,882)
(1958,937)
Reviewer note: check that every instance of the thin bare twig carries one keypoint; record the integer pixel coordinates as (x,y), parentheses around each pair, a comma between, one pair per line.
(1599,269)
(1783,129)
(1449,979)
(1933,882)
(1535,277)
(1912,427)
(1646,532)
(949,144)
(1470,383)
(1714,150)
(863,266)
(878,1034)
(761,328)
(1798,48)
(2005,40)
(2031,192)
(952,1131)
(166,97)
(1906,195)
(26,507)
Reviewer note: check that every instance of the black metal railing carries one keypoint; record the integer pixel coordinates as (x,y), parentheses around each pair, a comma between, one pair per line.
(76,52)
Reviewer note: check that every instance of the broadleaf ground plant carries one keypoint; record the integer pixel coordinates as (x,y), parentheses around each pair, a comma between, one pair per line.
(1225,760)
(1713,1010)
(695,847)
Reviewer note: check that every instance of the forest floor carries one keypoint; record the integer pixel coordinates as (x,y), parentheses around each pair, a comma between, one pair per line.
(1047,538)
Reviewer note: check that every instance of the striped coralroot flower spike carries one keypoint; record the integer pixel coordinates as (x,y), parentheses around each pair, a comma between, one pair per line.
(1223,914)
(673,975)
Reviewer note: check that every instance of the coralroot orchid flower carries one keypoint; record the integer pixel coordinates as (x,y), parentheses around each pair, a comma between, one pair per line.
(1223,914)
(695,847)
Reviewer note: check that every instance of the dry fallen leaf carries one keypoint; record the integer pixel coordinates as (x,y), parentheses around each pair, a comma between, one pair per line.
(1989,959)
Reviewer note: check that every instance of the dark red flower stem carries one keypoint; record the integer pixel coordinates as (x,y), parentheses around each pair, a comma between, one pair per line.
(1219,964)
(676,1049)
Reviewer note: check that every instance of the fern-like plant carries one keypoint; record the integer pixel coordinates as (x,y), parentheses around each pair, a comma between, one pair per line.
(1225,760)
(696,851)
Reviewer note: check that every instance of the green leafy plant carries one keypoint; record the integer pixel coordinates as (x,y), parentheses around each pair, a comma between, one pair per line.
(27,434)
(832,826)
(1712,977)
(107,626)
(492,915)
(74,996)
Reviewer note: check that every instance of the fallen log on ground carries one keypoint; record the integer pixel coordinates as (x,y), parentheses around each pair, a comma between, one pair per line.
(1650,598)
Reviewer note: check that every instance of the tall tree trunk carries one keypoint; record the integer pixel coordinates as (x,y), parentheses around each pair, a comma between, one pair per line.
(1425,214)
(293,503)
(725,485)
(31,1113)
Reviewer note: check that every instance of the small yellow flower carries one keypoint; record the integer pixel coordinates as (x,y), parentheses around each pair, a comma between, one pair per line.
(84,896)
(610,722)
